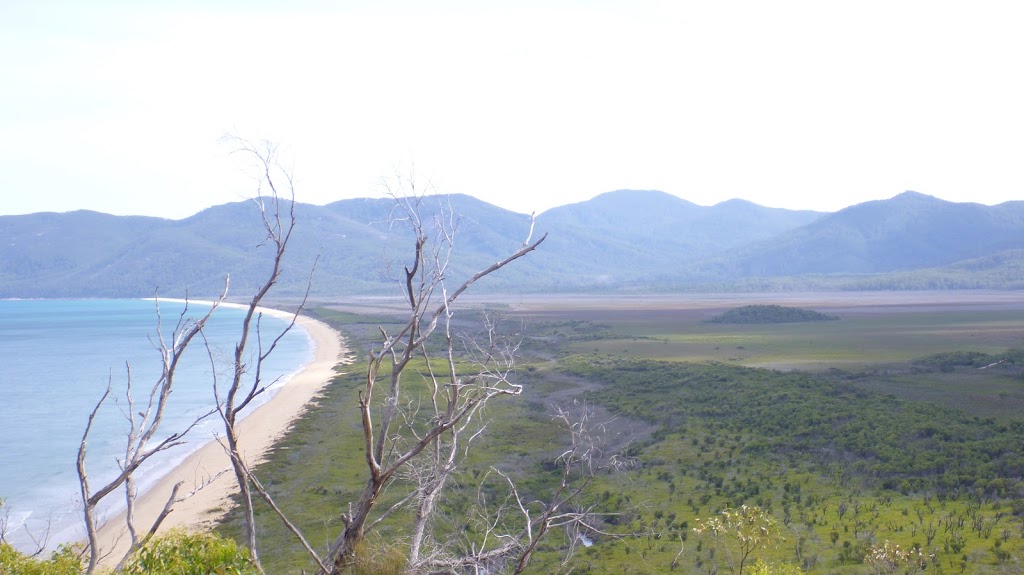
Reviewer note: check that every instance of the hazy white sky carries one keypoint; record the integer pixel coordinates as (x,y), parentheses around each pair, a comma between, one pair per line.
(120,106)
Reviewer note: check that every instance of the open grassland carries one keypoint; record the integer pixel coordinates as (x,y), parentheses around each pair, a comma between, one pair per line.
(869,332)
(874,338)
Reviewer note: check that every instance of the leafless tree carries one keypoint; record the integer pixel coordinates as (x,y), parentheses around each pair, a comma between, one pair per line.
(5,522)
(247,381)
(34,539)
(490,353)
(145,438)
(421,437)
(508,528)
(454,388)
(580,464)
(247,376)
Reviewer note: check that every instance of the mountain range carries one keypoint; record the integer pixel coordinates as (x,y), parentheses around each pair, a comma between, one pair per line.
(626,240)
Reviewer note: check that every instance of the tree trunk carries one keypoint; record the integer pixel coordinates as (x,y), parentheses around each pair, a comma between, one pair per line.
(344,548)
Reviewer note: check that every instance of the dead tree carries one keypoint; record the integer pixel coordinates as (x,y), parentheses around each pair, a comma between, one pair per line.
(144,439)
(39,542)
(580,463)
(245,385)
(247,381)
(455,390)
(508,529)
(459,381)
(490,353)
(4,522)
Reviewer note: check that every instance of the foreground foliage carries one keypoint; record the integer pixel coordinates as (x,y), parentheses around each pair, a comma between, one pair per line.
(184,553)
(64,561)
(176,552)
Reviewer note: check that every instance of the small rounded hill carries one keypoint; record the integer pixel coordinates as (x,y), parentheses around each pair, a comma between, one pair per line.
(770,314)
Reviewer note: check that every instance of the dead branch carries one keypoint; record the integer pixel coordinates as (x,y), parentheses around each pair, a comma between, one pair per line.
(500,547)
(278,217)
(457,393)
(144,426)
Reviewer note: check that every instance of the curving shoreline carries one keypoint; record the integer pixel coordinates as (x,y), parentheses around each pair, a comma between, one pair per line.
(258,430)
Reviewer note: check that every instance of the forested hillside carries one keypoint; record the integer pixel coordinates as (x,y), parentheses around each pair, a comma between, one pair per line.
(637,241)
(908,232)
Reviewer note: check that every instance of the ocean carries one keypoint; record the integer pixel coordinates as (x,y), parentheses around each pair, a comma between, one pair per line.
(57,358)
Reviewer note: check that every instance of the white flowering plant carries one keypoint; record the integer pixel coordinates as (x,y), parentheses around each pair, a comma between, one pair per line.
(890,559)
(748,528)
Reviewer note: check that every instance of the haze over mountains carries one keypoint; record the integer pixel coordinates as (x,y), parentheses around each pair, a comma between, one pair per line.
(635,241)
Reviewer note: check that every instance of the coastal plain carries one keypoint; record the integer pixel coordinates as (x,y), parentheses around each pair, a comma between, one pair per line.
(879,334)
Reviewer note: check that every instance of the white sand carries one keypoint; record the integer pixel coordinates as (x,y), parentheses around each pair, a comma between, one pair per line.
(258,431)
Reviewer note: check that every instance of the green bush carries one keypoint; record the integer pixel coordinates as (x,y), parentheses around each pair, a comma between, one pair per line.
(184,553)
(63,561)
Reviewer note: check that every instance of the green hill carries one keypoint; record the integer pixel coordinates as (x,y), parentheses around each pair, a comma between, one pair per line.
(770,314)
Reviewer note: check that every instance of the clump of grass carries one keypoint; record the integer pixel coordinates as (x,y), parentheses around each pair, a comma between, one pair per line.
(378,560)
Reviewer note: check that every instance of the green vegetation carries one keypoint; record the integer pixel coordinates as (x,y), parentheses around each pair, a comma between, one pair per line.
(770,314)
(64,561)
(861,342)
(841,474)
(744,530)
(319,466)
(902,445)
(727,436)
(916,461)
(183,553)
(173,553)
(949,361)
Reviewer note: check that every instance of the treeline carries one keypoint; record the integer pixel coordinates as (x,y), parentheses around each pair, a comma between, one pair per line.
(949,361)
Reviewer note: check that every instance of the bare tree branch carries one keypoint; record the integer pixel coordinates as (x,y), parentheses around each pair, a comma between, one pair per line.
(424,449)
(278,217)
(144,425)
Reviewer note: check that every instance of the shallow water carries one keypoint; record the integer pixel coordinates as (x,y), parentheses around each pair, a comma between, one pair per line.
(57,358)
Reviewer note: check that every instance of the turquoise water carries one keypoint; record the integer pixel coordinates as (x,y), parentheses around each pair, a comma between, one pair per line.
(56,359)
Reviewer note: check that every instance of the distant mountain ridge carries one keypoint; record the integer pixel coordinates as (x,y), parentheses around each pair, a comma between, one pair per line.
(626,240)
(909,231)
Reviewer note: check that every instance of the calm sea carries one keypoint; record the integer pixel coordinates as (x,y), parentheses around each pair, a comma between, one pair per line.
(56,359)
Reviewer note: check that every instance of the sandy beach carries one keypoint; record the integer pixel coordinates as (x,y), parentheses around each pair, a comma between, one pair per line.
(258,432)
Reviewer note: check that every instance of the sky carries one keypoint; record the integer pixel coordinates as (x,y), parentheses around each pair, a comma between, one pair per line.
(123,106)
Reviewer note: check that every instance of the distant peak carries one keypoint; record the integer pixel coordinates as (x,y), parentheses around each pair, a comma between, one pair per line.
(734,202)
(909,198)
(649,195)
(912,195)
